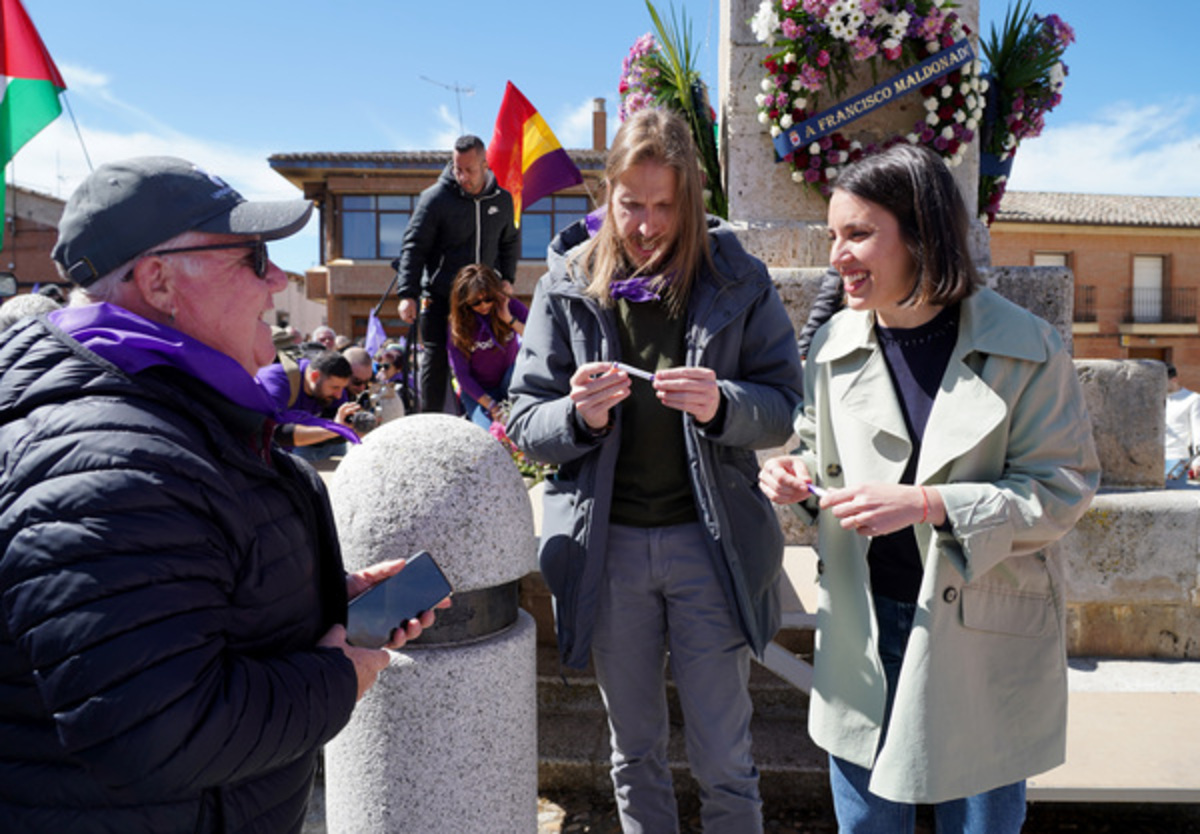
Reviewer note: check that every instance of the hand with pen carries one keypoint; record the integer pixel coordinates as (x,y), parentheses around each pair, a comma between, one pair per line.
(598,386)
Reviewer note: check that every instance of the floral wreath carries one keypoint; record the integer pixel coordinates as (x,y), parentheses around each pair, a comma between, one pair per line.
(822,43)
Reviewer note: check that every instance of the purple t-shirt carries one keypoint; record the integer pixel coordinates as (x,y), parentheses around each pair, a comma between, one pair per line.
(489,361)
(274,380)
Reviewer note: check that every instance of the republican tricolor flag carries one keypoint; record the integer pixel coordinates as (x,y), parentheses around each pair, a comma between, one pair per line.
(28,78)
(524,154)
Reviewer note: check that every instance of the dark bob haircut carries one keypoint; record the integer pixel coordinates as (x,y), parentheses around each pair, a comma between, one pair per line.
(916,187)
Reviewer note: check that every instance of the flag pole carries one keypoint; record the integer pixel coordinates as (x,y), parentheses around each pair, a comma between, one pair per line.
(78,133)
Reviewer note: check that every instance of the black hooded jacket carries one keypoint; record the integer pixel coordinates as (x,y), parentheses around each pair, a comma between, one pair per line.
(164,580)
(451,229)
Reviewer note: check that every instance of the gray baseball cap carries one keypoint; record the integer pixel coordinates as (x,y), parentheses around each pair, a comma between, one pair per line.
(125,208)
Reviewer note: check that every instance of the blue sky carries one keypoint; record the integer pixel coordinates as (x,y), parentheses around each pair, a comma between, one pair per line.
(226,84)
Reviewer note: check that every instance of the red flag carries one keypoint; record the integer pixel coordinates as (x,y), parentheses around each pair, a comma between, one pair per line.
(524,154)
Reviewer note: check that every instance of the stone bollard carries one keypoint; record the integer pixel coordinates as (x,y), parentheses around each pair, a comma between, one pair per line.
(446,740)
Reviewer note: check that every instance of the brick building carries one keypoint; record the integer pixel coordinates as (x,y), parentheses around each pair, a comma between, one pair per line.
(1136,262)
(30,230)
(365,200)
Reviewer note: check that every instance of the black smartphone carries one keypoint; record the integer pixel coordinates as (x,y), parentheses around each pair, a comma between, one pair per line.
(385,606)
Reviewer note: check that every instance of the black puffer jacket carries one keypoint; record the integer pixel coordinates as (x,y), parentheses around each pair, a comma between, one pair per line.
(450,229)
(162,589)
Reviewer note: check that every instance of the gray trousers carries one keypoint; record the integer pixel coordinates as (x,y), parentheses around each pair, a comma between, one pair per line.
(661,597)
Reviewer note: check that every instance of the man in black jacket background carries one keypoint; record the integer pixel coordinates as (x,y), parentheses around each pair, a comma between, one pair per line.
(464,218)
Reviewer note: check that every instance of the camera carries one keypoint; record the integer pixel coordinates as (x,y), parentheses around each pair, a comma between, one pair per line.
(364,420)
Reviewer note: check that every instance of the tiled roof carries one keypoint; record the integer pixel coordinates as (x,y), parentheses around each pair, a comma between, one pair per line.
(1100,209)
(398,159)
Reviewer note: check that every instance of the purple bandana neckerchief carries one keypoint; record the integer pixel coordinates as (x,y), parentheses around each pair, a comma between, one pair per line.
(134,344)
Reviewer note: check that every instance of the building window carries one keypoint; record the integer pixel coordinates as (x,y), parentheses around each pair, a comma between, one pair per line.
(1148,288)
(373,225)
(1049,258)
(544,219)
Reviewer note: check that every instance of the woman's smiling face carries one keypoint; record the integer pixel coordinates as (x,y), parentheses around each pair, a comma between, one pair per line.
(877,269)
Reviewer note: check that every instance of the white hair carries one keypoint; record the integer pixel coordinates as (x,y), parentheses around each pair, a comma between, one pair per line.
(111,286)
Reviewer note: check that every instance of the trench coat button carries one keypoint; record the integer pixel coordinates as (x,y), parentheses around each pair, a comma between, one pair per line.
(950,594)
(833,470)
(820,566)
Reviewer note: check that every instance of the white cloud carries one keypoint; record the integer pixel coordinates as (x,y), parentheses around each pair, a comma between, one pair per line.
(574,128)
(1149,150)
(447,130)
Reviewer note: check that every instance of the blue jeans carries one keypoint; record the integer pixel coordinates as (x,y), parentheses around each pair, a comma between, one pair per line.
(998,811)
(661,598)
(475,412)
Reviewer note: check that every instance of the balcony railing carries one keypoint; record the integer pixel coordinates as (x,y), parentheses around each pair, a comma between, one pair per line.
(1159,306)
(1085,304)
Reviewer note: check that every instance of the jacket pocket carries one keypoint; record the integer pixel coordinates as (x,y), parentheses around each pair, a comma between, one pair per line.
(1016,613)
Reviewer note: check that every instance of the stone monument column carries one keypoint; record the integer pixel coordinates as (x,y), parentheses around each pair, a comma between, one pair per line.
(446,740)
(780,221)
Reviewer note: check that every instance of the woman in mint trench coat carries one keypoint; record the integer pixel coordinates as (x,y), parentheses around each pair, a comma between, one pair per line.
(948,431)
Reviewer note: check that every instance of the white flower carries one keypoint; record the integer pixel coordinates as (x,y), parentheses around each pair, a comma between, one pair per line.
(900,24)
(786,121)
(931,104)
(760,99)
(763,118)
(977,67)
(913,139)
(932,118)
(796,85)
(775,131)
(790,58)
(843,157)
(856,19)
(972,123)
(947,91)
(947,133)
(768,84)
(965,88)
(1057,76)
(856,145)
(814,148)
(933,46)
(971,101)
(839,29)
(956,160)
(891,43)
(801,103)
(983,85)
(839,9)
(830,173)
(765,22)
(797,176)
(960,116)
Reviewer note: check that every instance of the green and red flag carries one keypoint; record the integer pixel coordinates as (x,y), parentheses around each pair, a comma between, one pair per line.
(29,81)
(524,154)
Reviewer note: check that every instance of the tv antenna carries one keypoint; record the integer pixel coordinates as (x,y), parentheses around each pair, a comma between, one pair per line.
(459,92)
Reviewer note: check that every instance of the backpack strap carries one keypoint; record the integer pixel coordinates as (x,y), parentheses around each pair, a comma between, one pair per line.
(292,367)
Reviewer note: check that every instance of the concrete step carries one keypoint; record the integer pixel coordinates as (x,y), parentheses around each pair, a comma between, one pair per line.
(573,755)
(574,691)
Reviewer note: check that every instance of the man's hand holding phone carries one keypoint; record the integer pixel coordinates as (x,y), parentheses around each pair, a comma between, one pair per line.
(370,590)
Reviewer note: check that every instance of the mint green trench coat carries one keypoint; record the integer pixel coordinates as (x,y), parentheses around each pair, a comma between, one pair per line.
(982,695)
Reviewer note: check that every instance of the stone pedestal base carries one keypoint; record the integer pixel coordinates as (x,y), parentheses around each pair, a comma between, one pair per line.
(442,742)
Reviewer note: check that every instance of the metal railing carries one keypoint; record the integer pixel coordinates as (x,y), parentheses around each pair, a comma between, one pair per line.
(1085,304)
(1159,306)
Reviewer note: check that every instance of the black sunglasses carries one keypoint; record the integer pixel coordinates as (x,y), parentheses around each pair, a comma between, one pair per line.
(259,247)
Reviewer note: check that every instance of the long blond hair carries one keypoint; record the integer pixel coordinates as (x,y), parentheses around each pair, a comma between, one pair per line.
(661,137)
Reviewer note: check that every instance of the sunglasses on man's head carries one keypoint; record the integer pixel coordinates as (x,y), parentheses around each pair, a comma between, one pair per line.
(258,248)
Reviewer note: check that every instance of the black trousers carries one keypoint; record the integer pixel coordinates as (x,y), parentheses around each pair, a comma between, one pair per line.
(433,385)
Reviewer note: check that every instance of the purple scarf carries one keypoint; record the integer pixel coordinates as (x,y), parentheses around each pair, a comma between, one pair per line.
(134,344)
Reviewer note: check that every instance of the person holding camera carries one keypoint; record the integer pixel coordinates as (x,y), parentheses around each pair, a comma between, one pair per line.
(485,322)
(303,392)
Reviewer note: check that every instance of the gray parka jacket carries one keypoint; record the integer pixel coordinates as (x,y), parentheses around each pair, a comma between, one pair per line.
(737,326)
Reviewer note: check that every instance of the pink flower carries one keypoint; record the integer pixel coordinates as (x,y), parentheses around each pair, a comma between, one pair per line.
(788,5)
(864,48)
(892,54)
(871,7)
(791,30)
(823,58)
(811,78)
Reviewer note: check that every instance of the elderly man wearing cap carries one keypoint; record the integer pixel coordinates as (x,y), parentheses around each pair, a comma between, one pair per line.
(171,588)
